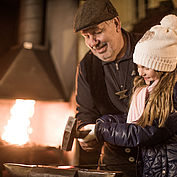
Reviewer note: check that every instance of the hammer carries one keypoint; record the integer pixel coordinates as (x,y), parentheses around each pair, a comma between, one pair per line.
(70,133)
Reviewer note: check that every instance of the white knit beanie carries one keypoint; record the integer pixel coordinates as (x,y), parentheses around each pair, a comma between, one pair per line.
(157,49)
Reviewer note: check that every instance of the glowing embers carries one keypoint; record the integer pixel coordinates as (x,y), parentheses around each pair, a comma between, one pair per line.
(47,123)
(18,128)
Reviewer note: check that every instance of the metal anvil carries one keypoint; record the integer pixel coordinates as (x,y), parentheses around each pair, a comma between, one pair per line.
(22,170)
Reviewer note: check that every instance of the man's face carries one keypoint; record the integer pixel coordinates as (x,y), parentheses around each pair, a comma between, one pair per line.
(104,40)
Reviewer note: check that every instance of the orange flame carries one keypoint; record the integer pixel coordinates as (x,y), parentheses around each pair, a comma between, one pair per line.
(18,128)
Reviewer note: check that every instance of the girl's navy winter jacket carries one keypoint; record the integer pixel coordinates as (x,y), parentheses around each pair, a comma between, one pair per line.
(157,155)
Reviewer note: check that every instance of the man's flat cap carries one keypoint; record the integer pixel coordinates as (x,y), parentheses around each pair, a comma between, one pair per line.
(93,12)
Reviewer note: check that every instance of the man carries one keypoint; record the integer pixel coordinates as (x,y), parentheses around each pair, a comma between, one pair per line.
(104,78)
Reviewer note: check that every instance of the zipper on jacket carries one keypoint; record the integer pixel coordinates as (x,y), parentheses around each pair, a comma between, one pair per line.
(117,66)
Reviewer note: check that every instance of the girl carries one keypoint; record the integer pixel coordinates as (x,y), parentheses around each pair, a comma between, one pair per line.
(152,105)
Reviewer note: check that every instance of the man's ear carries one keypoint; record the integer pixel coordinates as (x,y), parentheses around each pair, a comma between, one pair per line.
(117,23)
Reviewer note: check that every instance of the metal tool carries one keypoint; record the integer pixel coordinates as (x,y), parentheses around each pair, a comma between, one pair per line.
(23,170)
(70,133)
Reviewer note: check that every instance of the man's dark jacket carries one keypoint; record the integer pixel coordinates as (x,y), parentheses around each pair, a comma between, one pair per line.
(96,87)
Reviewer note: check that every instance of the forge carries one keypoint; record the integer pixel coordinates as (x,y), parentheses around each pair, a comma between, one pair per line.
(36,140)
(31,71)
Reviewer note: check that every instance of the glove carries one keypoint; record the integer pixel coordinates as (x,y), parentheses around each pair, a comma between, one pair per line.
(89,143)
(91,135)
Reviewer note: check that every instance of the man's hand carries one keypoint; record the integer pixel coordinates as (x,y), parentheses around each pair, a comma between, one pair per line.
(90,146)
(89,143)
(91,135)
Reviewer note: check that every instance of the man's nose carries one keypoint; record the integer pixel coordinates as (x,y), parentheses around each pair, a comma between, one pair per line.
(93,41)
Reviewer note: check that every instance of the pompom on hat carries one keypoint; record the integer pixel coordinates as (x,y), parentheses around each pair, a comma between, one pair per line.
(157,49)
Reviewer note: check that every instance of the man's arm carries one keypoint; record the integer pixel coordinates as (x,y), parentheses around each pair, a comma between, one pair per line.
(86,111)
(132,135)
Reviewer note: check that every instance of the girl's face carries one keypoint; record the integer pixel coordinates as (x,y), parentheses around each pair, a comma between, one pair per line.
(148,74)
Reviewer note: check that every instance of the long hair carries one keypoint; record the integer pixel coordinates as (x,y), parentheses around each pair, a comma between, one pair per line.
(160,102)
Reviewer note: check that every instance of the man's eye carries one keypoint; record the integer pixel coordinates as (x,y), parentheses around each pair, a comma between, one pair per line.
(85,36)
(98,32)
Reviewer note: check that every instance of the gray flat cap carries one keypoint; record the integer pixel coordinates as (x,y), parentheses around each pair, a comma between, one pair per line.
(93,12)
